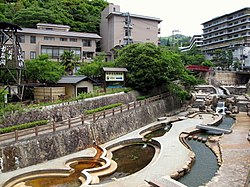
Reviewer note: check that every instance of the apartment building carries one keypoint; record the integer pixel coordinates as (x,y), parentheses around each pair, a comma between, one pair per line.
(229,31)
(54,39)
(118,29)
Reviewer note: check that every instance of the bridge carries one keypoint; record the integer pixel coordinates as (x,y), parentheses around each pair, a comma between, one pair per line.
(198,68)
(215,129)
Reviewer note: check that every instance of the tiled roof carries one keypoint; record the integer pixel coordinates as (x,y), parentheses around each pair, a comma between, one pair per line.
(72,79)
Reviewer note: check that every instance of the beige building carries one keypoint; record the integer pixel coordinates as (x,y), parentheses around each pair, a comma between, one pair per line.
(118,29)
(54,39)
(229,31)
(74,85)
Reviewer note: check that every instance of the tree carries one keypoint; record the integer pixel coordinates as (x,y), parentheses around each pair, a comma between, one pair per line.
(223,58)
(44,70)
(143,62)
(69,60)
(94,69)
(80,15)
(193,57)
(150,66)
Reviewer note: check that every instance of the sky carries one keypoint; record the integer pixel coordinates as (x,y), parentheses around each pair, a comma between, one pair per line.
(185,16)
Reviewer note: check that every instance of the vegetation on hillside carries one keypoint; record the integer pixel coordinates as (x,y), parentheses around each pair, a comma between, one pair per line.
(80,15)
(177,40)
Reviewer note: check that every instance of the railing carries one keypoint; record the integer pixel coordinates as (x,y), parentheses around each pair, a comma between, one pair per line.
(76,121)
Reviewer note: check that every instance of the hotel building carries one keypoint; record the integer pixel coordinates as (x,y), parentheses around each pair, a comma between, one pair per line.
(54,39)
(118,29)
(230,31)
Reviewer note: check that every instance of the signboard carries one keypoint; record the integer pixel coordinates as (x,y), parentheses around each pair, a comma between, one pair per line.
(114,76)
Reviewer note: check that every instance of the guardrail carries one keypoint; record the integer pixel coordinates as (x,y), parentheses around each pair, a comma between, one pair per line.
(76,121)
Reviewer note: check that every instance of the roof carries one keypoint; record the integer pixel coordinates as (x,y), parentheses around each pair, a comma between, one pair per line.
(7,25)
(135,16)
(53,25)
(60,33)
(115,69)
(218,17)
(73,79)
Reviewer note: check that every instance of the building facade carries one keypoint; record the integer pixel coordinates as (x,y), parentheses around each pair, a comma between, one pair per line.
(229,31)
(195,41)
(54,39)
(118,29)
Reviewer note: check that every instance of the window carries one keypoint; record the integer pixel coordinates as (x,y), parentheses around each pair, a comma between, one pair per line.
(21,39)
(64,39)
(55,52)
(48,38)
(32,54)
(86,43)
(88,55)
(33,39)
(73,40)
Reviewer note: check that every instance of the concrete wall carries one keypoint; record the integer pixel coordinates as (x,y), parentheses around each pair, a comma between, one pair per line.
(46,147)
(223,78)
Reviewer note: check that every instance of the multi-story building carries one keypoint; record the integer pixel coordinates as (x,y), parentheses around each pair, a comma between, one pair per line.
(229,31)
(196,40)
(54,39)
(118,29)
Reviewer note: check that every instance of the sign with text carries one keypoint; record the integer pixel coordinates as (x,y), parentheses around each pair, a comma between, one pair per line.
(114,76)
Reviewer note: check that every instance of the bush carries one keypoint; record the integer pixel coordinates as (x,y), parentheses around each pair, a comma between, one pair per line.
(142,97)
(23,126)
(103,108)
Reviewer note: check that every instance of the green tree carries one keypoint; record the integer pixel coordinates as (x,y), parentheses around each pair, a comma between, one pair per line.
(150,66)
(193,57)
(94,69)
(143,62)
(223,58)
(44,70)
(69,60)
(80,15)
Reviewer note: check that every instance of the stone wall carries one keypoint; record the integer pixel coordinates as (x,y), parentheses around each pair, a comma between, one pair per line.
(54,145)
(63,111)
(222,78)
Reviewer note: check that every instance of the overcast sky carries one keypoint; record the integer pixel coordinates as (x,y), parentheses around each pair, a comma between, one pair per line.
(186,16)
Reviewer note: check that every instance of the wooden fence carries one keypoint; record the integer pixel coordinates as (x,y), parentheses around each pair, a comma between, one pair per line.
(80,120)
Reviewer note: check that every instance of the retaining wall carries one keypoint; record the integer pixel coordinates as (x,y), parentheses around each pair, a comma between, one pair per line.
(67,110)
(54,145)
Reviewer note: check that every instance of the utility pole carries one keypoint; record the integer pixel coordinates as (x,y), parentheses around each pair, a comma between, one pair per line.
(173,35)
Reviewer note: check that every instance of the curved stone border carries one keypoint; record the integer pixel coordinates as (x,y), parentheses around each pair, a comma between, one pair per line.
(86,177)
(187,167)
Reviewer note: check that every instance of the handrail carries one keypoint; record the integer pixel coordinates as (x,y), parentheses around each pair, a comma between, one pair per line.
(76,121)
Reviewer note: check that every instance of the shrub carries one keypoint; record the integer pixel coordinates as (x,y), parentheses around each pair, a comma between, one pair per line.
(23,126)
(103,108)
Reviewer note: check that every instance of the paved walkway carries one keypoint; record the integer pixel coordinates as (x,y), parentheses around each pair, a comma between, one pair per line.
(235,149)
(172,156)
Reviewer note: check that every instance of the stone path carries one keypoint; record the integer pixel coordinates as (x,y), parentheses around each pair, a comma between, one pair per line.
(235,148)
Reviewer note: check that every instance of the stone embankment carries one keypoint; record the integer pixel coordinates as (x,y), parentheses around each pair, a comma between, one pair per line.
(63,111)
(45,147)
